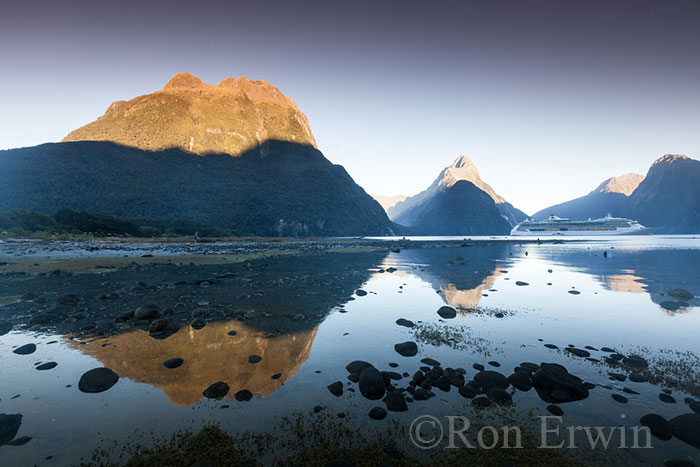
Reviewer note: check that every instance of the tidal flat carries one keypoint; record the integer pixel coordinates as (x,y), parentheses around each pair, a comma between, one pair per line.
(246,351)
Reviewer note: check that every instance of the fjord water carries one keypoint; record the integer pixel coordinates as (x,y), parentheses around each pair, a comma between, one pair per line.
(511,300)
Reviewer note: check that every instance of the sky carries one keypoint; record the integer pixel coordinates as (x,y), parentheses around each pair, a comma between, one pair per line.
(548,98)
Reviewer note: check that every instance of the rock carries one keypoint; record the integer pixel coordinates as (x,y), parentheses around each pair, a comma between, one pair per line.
(158,325)
(521,380)
(680,294)
(336,388)
(465,391)
(635,361)
(232,333)
(638,378)
(173,362)
(5,328)
(617,376)
(216,391)
(494,364)
(620,398)
(9,426)
(276,376)
(551,346)
(21,441)
(26,349)
(554,384)
(360,293)
(422,394)
(499,396)
(243,395)
(555,410)
(430,361)
(356,367)
(371,383)
(377,413)
(521,283)
(658,426)
(578,352)
(198,323)
(97,380)
(149,311)
(491,379)
(405,322)
(663,397)
(447,312)
(47,366)
(254,358)
(670,306)
(395,401)
(478,367)
(686,427)
(406,349)
(574,292)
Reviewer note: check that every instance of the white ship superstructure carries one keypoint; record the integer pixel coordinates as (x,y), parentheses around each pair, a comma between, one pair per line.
(561,226)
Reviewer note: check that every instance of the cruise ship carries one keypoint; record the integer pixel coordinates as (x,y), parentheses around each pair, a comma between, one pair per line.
(560,226)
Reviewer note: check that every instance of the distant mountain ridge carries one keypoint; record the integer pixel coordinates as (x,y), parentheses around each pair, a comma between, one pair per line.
(610,197)
(388,201)
(462,169)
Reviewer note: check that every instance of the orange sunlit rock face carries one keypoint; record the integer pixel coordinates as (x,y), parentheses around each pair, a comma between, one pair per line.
(209,354)
(230,117)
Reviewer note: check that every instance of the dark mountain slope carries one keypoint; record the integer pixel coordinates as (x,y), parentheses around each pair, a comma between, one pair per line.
(669,196)
(291,190)
(462,209)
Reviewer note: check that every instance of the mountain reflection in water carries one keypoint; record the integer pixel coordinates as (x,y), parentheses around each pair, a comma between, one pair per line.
(209,354)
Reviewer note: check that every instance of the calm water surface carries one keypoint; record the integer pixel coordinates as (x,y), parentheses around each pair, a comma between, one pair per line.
(623,304)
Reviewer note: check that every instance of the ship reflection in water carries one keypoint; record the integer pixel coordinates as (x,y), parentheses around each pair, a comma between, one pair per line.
(210,354)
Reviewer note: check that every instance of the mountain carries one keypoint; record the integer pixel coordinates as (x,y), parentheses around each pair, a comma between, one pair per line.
(414,210)
(669,196)
(239,155)
(388,201)
(230,117)
(610,197)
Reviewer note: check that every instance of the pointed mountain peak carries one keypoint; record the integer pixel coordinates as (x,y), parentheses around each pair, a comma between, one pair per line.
(624,184)
(184,80)
(669,159)
(461,169)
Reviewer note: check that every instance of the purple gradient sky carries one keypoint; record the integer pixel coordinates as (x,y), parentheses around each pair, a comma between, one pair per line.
(547,97)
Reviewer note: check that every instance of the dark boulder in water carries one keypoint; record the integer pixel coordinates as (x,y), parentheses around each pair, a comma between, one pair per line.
(670,306)
(407,349)
(371,383)
(395,401)
(97,380)
(173,362)
(254,358)
(405,322)
(377,413)
(687,428)
(658,425)
(26,349)
(521,283)
(521,380)
(46,366)
(356,367)
(491,379)
(499,396)
(447,312)
(9,426)
(5,328)
(216,390)
(635,361)
(149,311)
(680,294)
(336,388)
(554,384)
(243,395)
(360,293)
(578,352)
